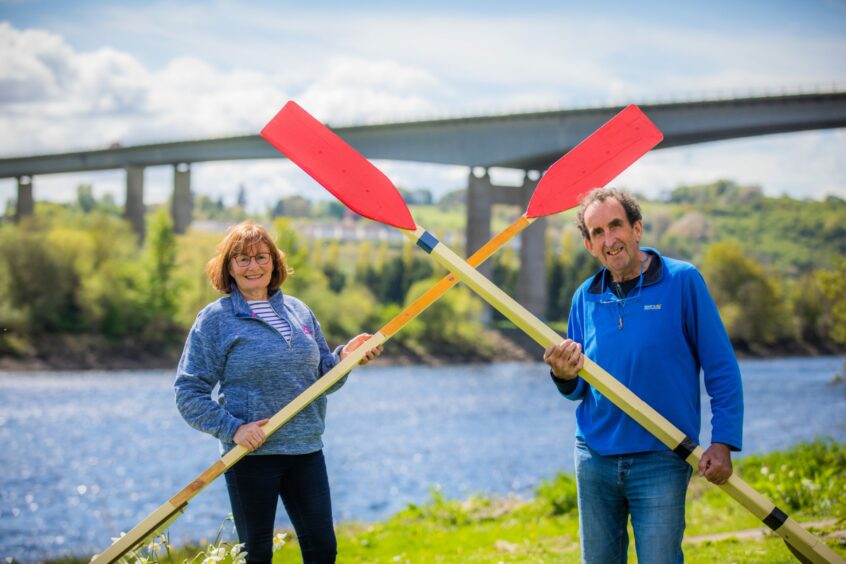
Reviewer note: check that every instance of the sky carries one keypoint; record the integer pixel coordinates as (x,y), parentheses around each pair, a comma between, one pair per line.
(86,74)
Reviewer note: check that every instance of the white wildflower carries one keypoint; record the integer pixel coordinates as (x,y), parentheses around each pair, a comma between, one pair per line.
(279,541)
(236,549)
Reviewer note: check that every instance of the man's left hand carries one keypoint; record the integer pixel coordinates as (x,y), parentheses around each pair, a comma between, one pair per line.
(715,464)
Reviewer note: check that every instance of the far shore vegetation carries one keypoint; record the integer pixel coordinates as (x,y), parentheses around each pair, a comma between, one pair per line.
(77,291)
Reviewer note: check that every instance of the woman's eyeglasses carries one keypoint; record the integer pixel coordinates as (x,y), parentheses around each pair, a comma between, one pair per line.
(244,260)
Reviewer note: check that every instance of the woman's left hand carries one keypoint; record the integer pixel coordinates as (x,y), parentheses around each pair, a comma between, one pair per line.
(356,342)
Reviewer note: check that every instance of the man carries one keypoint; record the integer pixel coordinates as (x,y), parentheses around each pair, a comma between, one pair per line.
(651,323)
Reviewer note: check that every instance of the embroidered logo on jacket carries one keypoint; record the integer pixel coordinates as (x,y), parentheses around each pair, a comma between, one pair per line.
(307,331)
(652,307)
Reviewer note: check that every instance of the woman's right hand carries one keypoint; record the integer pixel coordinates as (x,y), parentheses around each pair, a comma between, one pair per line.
(250,435)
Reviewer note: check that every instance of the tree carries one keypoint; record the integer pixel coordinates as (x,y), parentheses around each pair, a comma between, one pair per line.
(750,302)
(451,323)
(565,272)
(334,275)
(451,200)
(810,307)
(85,198)
(834,286)
(163,288)
(242,197)
(292,206)
(39,281)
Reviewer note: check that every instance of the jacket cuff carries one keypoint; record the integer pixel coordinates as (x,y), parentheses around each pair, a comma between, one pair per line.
(228,430)
(734,445)
(566,387)
(337,354)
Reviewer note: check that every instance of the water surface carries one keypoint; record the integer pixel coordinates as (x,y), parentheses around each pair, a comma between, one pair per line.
(89,454)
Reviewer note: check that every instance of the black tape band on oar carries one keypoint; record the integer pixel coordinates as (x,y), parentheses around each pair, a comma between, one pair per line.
(775,519)
(685,448)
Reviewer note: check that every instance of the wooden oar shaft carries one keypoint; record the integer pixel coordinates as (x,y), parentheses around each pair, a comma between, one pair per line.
(177,503)
(807,544)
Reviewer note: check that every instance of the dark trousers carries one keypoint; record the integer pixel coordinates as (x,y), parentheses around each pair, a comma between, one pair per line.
(257,482)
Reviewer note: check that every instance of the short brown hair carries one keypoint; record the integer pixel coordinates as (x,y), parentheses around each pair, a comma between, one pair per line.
(240,238)
(599,195)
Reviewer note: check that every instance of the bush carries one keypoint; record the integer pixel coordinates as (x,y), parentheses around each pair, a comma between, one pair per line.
(452,322)
(810,476)
(750,301)
(559,494)
(40,282)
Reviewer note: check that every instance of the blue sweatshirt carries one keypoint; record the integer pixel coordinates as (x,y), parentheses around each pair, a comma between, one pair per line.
(258,371)
(654,341)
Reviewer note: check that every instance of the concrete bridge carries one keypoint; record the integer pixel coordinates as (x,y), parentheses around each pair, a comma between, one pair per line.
(527,141)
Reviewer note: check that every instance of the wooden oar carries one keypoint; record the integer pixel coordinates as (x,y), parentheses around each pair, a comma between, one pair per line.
(361,186)
(591,164)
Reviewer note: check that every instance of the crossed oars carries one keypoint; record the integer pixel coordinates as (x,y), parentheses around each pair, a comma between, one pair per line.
(591,164)
(364,189)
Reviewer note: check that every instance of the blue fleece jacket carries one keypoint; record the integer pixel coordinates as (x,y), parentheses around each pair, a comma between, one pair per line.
(655,341)
(258,371)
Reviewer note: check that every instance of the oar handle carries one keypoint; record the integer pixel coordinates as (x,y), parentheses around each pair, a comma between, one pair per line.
(803,541)
(155,521)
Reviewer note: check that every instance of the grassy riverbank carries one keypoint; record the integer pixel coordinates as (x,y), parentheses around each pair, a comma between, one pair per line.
(808,482)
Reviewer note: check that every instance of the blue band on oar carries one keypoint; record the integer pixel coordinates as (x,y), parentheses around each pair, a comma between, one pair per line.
(775,519)
(685,447)
(427,242)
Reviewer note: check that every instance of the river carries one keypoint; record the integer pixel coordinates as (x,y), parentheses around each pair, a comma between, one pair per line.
(88,454)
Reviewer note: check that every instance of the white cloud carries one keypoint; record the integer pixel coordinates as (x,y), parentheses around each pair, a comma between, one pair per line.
(61,99)
(34,65)
(354,90)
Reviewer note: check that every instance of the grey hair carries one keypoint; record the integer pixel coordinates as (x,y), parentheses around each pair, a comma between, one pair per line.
(628,201)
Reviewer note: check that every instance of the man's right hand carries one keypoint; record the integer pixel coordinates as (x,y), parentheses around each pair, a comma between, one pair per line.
(565,359)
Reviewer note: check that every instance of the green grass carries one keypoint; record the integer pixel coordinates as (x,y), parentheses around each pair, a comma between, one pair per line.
(545,529)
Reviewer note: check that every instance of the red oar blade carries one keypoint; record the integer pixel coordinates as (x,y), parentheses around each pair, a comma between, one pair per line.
(594,162)
(336,166)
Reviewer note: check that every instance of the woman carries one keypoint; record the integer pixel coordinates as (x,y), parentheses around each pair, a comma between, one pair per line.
(263,348)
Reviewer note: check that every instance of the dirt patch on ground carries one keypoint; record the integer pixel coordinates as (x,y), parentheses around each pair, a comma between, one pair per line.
(761,533)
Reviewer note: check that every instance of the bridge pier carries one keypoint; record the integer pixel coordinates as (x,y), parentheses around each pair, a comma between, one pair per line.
(531,280)
(134,209)
(481,195)
(25,204)
(479,202)
(182,202)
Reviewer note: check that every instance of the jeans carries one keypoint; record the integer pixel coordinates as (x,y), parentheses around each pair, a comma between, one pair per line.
(649,486)
(255,485)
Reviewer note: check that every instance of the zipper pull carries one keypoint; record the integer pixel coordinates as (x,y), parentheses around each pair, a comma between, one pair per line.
(621,323)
